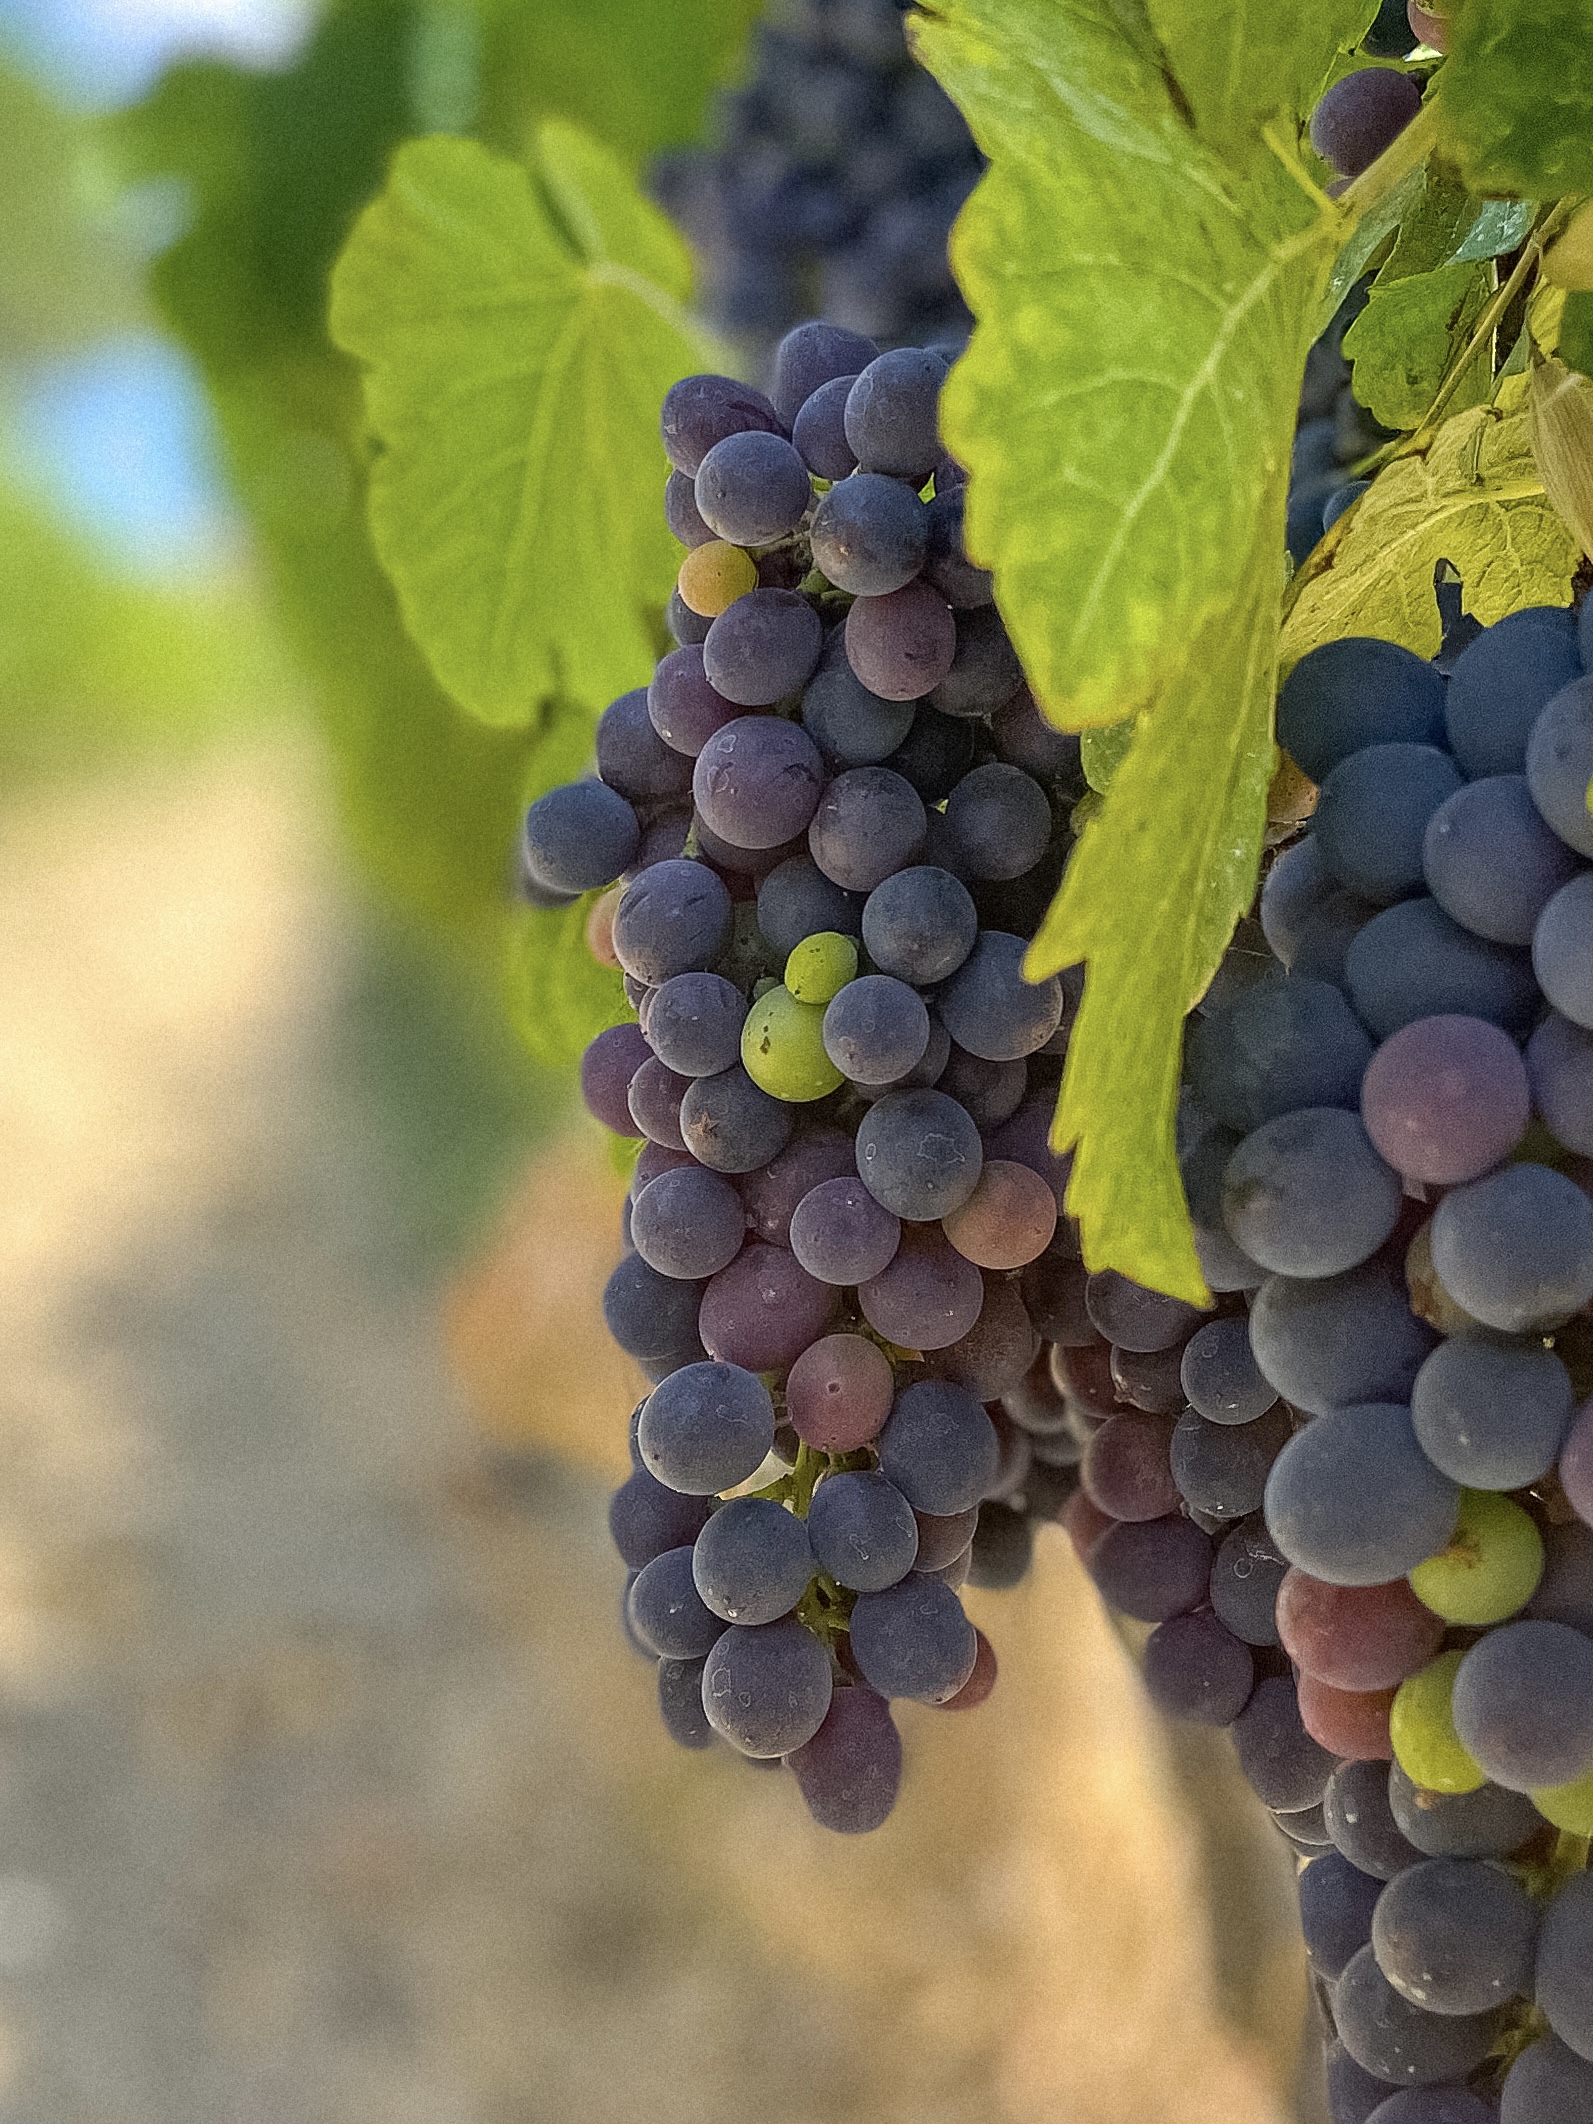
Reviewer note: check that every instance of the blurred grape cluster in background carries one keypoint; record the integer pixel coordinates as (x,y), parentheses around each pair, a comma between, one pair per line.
(328,1792)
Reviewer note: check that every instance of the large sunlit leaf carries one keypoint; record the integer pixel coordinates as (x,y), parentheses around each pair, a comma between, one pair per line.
(1517,97)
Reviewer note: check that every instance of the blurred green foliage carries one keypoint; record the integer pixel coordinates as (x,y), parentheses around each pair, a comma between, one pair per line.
(64,274)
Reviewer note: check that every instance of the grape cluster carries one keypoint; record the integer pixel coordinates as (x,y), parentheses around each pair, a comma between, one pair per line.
(834,818)
(839,168)
(1356,1500)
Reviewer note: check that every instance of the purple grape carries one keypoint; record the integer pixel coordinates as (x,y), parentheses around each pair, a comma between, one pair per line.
(819,430)
(903,644)
(1490,861)
(752,488)
(869,823)
(688,1223)
(757,781)
(682,706)
(700,411)
(891,414)
(870,534)
(840,1233)
(849,1772)
(763,647)
(1361,115)
(673,917)
(811,355)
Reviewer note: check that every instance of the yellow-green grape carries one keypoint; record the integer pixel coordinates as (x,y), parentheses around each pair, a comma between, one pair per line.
(713,576)
(820,967)
(782,1048)
(1568,1806)
(1491,1567)
(1422,1727)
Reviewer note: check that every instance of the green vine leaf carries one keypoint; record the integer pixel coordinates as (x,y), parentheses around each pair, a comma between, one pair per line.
(1472,497)
(1242,62)
(1161,874)
(517,346)
(1404,341)
(1127,402)
(1575,345)
(1517,98)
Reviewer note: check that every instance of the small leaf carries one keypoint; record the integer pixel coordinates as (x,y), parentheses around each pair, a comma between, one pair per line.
(1127,401)
(1370,233)
(1241,62)
(1517,98)
(1473,497)
(559,997)
(1500,227)
(513,384)
(1411,330)
(1152,893)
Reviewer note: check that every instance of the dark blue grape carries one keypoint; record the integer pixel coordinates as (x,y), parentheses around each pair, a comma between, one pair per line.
(919,1154)
(1341,499)
(1502,680)
(1307,1195)
(1135,1318)
(1281,1763)
(1455,1936)
(685,523)
(1336,1905)
(948,568)
(991,1010)
(1547,2084)
(913,1640)
(682,706)
(920,924)
(851,726)
(1560,1068)
(654,1097)
(1492,1416)
(646,1517)
(939,1448)
(863,1531)
(819,430)
(1560,764)
(1487,1823)
(1523,1704)
(1219,1374)
(811,355)
(840,1234)
(1353,692)
(1490,861)
(903,644)
(680,1703)
(1353,2094)
(700,411)
(757,781)
(985,672)
(870,534)
(694,1024)
(1562,951)
(1361,115)
(1353,1500)
(1361,1821)
(730,1125)
(766,1687)
(752,488)
(1245,1576)
(1221,1469)
(1373,813)
(1516,1249)
(688,1223)
(666,1609)
(752,1561)
(579,836)
(706,1427)
(631,756)
(849,1772)
(1196,1669)
(648,1314)
(891,414)
(1152,1568)
(1275,1049)
(1412,962)
(797,900)
(1000,821)
(876,1029)
(763,647)
(673,917)
(869,822)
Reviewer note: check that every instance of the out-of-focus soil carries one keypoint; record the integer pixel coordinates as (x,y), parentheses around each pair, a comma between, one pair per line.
(329,1791)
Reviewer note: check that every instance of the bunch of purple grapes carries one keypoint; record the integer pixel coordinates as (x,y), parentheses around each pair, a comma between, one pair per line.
(837,815)
(838,170)
(1356,1503)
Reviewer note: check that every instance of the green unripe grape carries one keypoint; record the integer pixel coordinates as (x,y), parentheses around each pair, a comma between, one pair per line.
(1491,1567)
(782,1048)
(1422,1728)
(1568,1806)
(820,967)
